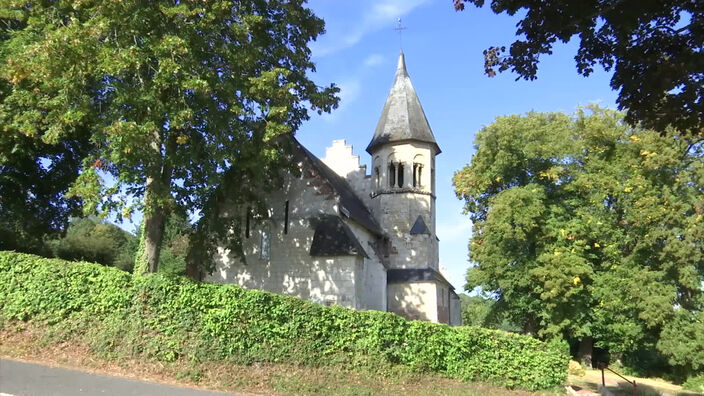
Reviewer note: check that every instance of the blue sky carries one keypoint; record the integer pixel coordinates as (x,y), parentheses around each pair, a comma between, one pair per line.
(443,51)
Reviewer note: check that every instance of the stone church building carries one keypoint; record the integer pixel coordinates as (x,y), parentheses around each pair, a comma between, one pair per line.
(337,235)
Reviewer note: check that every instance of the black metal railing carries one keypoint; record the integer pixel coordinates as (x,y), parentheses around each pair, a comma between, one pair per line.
(602,366)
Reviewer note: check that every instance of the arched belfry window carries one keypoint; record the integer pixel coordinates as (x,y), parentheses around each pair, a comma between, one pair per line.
(418,162)
(377,173)
(417,174)
(392,174)
(400,174)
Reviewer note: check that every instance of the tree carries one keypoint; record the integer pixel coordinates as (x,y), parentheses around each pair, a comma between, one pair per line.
(90,239)
(175,95)
(480,311)
(34,176)
(587,228)
(655,48)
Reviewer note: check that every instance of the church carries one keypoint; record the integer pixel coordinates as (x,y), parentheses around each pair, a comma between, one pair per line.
(336,234)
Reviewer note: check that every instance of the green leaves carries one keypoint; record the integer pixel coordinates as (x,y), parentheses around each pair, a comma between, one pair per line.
(585,226)
(165,318)
(177,93)
(653,48)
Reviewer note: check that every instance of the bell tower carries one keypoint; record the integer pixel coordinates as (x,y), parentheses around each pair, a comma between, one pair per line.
(403,152)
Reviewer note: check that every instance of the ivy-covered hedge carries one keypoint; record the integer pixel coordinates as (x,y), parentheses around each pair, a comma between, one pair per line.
(169,318)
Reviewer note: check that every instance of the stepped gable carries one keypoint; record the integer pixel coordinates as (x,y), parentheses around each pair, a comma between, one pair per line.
(403,118)
(350,204)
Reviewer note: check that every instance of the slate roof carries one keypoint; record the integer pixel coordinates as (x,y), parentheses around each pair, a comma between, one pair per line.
(350,204)
(333,237)
(403,117)
(419,227)
(399,275)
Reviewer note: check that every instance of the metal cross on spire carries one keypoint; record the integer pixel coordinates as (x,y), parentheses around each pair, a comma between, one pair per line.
(400,28)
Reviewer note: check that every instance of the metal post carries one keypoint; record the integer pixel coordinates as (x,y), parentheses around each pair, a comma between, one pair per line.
(635,388)
(602,366)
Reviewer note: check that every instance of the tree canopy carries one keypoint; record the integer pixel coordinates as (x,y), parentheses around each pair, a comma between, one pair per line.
(34,176)
(589,229)
(655,49)
(178,98)
(89,239)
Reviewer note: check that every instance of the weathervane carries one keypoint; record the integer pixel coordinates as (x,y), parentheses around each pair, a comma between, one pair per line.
(399,28)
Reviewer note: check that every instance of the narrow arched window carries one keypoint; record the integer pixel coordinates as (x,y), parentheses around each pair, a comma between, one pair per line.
(392,174)
(417,175)
(265,244)
(247,219)
(400,175)
(377,177)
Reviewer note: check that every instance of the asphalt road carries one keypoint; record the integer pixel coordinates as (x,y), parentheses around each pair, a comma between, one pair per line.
(28,379)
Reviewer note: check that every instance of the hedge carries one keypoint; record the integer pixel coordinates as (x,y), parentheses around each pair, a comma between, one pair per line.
(168,318)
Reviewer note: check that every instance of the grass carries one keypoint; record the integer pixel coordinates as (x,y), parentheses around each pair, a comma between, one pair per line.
(27,342)
(646,386)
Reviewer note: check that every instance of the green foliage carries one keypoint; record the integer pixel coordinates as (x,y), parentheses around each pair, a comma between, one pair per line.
(653,48)
(183,102)
(34,176)
(585,227)
(484,312)
(168,318)
(174,246)
(682,340)
(695,384)
(89,239)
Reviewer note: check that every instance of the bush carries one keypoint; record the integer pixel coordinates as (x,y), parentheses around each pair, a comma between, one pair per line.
(167,318)
(575,368)
(695,384)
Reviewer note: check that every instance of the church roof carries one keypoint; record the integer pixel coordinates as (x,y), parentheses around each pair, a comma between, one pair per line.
(350,204)
(403,118)
(402,275)
(333,237)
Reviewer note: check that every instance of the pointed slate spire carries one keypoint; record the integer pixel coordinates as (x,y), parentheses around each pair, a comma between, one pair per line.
(403,118)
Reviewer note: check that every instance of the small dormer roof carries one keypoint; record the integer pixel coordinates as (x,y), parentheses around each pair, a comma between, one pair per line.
(403,118)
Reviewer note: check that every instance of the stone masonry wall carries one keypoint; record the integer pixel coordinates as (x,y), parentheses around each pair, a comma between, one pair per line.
(288,268)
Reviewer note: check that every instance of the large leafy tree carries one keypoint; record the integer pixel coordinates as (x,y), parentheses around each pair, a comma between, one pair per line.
(654,47)
(34,176)
(175,95)
(587,228)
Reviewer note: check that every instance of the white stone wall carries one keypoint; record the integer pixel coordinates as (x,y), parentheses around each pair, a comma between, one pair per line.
(398,208)
(414,300)
(350,281)
(455,310)
(372,273)
(443,299)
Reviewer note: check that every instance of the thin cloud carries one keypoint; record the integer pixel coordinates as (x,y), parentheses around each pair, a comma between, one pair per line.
(375,15)
(373,60)
(350,91)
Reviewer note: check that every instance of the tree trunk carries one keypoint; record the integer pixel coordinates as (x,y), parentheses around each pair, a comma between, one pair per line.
(192,270)
(153,236)
(153,231)
(529,326)
(157,198)
(586,346)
